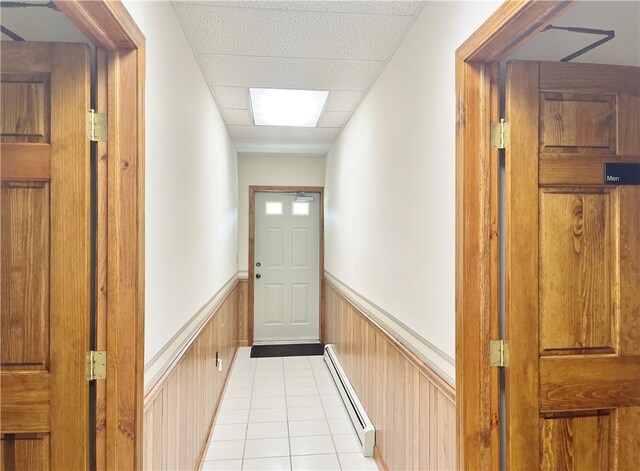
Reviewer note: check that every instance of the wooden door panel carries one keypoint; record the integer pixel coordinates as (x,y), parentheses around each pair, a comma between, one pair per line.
(45,203)
(578,123)
(26,451)
(25,276)
(573,268)
(567,442)
(26,108)
(577,270)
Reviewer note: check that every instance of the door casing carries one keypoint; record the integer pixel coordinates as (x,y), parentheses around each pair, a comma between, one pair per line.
(252,263)
(120,49)
(477,231)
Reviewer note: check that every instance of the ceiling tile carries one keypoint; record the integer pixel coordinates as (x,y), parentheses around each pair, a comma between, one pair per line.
(237,117)
(279,33)
(367,7)
(280,132)
(340,100)
(232,97)
(307,74)
(334,119)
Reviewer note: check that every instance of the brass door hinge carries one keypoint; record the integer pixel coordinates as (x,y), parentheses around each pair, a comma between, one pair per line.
(500,135)
(96,365)
(96,126)
(498,353)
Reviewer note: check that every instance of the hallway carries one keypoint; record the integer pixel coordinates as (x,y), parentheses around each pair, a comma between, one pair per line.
(283,413)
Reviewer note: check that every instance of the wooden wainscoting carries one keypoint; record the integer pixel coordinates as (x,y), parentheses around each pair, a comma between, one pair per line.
(180,408)
(412,408)
(243,313)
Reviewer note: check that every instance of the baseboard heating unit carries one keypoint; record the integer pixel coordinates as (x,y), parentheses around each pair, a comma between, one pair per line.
(361,423)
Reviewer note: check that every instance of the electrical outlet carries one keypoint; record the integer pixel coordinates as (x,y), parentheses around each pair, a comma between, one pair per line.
(220,364)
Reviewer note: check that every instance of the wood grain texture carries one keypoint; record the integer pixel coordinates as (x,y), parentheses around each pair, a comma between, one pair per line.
(521,267)
(243,313)
(107,24)
(252,230)
(414,416)
(25,235)
(45,255)
(577,289)
(31,162)
(179,412)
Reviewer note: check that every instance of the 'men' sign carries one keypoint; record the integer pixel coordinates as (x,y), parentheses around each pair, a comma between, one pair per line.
(621,174)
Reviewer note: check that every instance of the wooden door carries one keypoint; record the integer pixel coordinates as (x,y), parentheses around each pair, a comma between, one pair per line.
(45,210)
(572,268)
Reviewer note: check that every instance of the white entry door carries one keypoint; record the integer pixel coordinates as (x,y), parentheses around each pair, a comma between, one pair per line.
(287,268)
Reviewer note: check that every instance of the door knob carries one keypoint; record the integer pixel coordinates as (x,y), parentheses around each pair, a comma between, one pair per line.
(258,275)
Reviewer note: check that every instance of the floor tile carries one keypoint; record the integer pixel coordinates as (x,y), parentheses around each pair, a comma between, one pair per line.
(268,391)
(229,432)
(233,391)
(282,463)
(298,373)
(309,428)
(305,413)
(235,403)
(301,391)
(269,364)
(357,462)
(331,400)
(269,402)
(267,430)
(312,445)
(300,381)
(296,362)
(227,450)
(267,415)
(347,443)
(336,412)
(304,401)
(266,448)
(223,465)
(232,417)
(315,463)
(340,426)
(240,382)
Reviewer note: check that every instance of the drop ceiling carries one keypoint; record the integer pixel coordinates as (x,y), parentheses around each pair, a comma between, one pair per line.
(338,46)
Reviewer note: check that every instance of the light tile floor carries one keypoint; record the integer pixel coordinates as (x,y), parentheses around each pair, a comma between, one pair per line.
(283,414)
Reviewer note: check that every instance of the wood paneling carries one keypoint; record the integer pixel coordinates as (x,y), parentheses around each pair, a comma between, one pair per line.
(179,412)
(243,313)
(413,410)
(24,451)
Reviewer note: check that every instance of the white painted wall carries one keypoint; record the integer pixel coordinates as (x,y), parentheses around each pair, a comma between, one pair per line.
(191,181)
(390,184)
(276,170)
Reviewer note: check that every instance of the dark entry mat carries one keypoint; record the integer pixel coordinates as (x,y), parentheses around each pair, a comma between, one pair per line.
(301,349)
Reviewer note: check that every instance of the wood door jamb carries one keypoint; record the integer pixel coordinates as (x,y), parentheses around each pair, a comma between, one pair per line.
(281,189)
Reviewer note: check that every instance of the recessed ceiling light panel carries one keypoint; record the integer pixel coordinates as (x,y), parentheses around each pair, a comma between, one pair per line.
(276,107)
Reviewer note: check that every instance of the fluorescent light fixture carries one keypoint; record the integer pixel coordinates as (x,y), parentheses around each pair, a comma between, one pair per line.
(275,107)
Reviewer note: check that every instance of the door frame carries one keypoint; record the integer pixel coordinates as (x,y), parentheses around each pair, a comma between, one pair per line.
(477,231)
(119,219)
(252,230)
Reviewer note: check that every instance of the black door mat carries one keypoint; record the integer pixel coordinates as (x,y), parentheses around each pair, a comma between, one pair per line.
(294,350)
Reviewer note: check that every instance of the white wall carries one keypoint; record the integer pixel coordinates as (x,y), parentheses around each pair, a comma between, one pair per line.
(390,185)
(277,170)
(191,181)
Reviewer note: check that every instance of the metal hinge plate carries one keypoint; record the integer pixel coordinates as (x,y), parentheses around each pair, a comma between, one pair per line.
(96,365)
(500,135)
(96,126)
(498,353)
